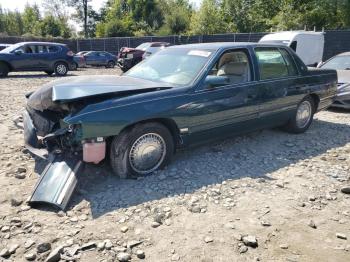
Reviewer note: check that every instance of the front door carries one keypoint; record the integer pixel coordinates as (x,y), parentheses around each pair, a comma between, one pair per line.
(24,58)
(229,108)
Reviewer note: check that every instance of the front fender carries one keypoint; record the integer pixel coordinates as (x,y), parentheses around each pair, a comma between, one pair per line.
(110,121)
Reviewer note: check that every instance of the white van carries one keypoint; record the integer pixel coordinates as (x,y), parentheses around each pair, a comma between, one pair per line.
(307,44)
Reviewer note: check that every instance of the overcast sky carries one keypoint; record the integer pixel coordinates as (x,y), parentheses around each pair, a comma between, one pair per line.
(96,4)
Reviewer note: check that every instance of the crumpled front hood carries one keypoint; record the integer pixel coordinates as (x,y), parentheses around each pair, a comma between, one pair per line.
(72,89)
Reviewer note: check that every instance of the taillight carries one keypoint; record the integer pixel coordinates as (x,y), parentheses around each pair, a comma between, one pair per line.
(70,53)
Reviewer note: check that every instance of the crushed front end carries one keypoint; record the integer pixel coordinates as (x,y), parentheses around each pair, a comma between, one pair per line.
(47,136)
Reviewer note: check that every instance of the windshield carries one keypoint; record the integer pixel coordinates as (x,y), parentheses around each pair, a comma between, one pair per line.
(176,66)
(143,46)
(11,48)
(338,63)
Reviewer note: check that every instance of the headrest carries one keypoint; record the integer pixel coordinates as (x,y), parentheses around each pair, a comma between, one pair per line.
(233,68)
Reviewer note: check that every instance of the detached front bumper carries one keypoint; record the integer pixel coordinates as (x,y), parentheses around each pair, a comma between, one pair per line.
(59,178)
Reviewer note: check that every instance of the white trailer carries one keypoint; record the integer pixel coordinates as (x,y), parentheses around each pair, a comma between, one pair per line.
(308,45)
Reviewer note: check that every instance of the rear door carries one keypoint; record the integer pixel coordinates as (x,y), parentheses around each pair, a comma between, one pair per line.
(43,56)
(280,85)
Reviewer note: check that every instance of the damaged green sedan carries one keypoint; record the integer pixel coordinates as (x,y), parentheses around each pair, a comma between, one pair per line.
(180,96)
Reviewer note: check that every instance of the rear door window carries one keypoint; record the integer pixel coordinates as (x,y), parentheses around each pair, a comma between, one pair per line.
(273,64)
(42,49)
(53,49)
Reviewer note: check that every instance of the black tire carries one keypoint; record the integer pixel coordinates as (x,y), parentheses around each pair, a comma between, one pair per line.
(292,126)
(121,159)
(4,70)
(61,69)
(74,66)
(49,72)
(110,64)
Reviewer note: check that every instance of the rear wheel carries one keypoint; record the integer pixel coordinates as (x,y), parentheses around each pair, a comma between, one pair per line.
(141,150)
(4,70)
(49,72)
(110,64)
(303,116)
(61,69)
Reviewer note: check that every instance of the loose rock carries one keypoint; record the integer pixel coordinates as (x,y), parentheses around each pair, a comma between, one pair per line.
(341,236)
(43,247)
(4,252)
(208,239)
(140,254)
(345,190)
(30,256)
(312,224)
(250,241)
(123,257)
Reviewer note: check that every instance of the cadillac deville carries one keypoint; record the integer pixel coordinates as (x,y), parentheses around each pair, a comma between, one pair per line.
(180,96)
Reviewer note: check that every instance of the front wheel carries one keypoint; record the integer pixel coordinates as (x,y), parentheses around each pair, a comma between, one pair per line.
(61,69)
(141,150)
(303,117)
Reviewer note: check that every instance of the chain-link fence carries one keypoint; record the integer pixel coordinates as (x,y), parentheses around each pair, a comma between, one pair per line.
(336,41)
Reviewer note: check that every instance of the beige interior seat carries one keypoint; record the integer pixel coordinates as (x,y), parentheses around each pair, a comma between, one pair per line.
(236,71)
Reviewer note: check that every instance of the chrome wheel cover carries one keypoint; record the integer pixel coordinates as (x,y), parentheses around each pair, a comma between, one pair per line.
(147,153)
(304,113)
(61,69)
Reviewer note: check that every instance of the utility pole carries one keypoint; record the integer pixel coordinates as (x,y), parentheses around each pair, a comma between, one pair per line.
(85,6)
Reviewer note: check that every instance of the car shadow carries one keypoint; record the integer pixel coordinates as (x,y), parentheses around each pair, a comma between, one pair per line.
(37,76)
(253,155)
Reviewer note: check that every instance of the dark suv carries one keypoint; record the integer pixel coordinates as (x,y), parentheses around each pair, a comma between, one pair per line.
(36,56)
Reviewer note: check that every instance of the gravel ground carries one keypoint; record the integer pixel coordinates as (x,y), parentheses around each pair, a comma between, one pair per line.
(265,196)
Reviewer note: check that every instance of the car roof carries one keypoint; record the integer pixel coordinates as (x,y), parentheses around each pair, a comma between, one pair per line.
(41,43)
(343,54)
(224,45)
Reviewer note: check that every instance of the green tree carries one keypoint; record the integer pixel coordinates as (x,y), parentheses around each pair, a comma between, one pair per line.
(50,26)
(208,19)
(177,16)
(31,19)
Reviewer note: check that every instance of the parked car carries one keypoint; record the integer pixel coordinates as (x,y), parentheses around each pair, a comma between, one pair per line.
(3,46)
(179,96)
(82,52)
(100,58)
(128,57)
(79,62)
(36,56)
(341,63)
(308,45)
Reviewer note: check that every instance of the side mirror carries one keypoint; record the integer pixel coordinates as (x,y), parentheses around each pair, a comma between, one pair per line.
(214,81)
(18,52)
